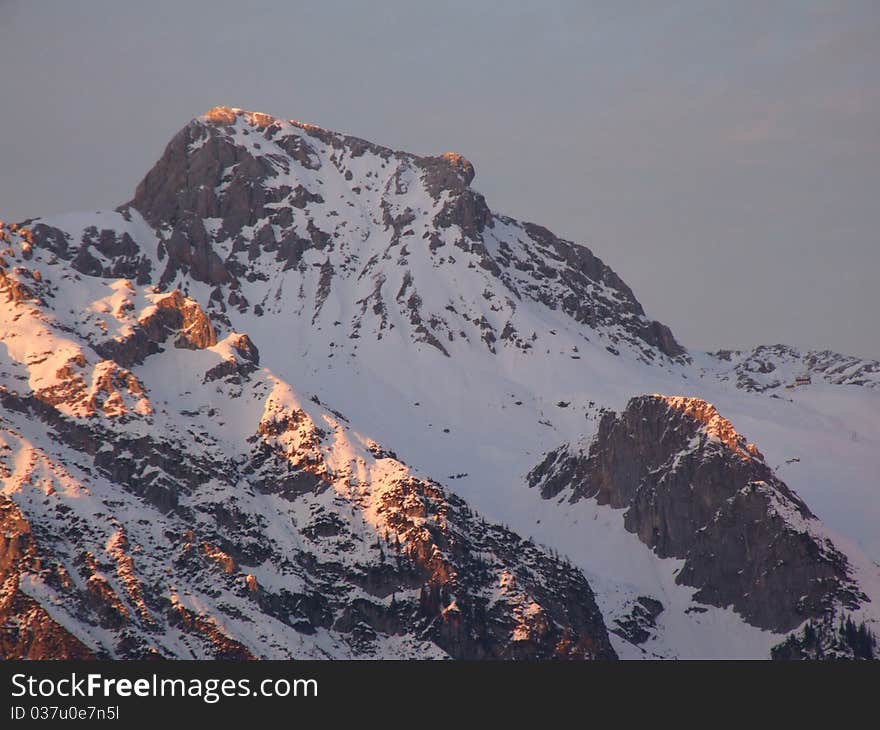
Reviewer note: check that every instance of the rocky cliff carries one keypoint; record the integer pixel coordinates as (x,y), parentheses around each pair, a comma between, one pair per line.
(692,488)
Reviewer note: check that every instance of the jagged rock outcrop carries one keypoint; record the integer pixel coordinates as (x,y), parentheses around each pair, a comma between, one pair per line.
(171,313)
(640,623)
(27,631)
(242,359)
(693,488)
(101,252)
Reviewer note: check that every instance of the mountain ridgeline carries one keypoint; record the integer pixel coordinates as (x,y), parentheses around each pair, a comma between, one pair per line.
(289,401)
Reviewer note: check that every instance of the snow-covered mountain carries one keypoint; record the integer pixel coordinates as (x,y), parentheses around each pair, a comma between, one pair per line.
(779,366)
(307,396)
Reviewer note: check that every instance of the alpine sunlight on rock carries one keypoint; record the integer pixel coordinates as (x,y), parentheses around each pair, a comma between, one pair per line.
(305,396)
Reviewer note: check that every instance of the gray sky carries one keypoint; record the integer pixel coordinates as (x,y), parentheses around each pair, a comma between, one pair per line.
(724,158)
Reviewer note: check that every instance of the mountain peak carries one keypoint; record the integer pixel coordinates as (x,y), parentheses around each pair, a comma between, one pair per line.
(462,165)
(240,197)
(715,425)
(221,114)
(226,115)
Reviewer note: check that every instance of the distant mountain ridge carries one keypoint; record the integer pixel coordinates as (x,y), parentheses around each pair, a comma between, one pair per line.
(769,367)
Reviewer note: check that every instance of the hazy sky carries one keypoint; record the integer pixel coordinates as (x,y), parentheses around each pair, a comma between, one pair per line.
(724,158)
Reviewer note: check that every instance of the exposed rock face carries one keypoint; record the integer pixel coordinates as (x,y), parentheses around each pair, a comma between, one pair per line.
(26,629)
(393,556)
(641,621)
(237,193)
(693,488)
(170,314)
(12,289)
(243,359)
(106,252)
(575,291)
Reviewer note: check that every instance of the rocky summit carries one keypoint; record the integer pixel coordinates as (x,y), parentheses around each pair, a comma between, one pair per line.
(307,396)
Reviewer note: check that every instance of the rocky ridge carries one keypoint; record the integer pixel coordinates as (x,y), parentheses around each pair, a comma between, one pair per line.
(244,198)
(771,368)
(692,488)
(135,527)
